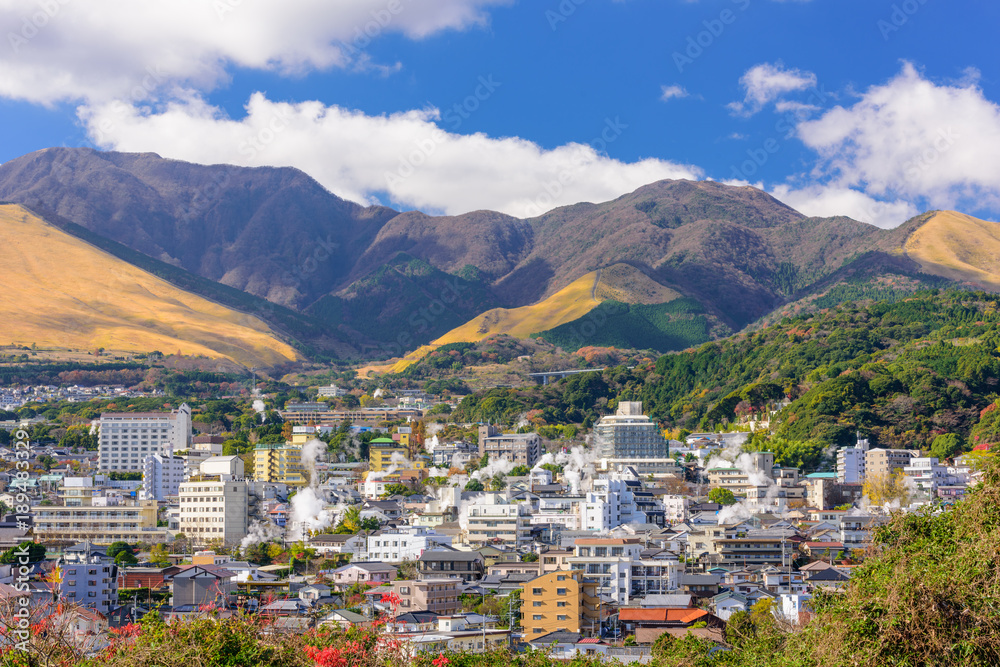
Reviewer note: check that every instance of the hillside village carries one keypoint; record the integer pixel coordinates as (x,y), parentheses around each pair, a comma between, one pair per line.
(500,539)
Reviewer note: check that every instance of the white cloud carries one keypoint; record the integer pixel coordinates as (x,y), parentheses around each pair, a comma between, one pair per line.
(913,139)
(766,82)
(826,201)
(407,155)
(71,50)
(671,92)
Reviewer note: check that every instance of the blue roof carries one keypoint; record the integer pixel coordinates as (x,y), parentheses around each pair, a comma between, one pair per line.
(822,475)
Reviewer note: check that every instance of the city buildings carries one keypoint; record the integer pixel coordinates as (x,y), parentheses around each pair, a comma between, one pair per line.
(214,505)
(279,463)
(162,476)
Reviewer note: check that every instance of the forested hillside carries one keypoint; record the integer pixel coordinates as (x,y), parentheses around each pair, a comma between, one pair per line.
(900,373)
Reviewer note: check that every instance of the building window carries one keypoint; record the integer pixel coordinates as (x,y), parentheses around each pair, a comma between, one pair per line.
(538,603)
(536,591)
(560,591)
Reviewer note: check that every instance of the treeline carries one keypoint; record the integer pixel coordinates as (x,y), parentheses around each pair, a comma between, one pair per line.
(899,372)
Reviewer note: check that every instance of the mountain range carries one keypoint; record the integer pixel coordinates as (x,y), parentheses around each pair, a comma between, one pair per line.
(667,266)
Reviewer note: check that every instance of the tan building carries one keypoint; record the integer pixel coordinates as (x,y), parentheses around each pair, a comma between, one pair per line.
(439,595)
(560,601)
(555,559)
(99,524)
(213,507)
(885,462)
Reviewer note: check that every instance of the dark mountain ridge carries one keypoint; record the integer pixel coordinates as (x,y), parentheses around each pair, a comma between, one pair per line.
(363,273)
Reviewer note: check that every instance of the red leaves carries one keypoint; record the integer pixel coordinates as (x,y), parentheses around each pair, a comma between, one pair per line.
(327,657)
(440,661)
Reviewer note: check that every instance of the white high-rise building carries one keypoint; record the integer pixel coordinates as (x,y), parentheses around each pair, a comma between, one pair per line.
(128,438)
(162,476)
(629,434)
(214,507)
(851,463)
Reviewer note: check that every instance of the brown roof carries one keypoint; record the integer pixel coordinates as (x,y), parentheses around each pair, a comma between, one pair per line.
(662,614)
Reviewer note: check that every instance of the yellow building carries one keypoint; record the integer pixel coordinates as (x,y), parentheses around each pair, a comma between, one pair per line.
(561,600)
(279,463)
(380,452)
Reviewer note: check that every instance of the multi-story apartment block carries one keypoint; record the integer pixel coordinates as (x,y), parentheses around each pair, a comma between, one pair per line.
(654,575)
(555,559)
(755,550)
(383,453)
(927,474)
(851,463)
(611,504)
(279,463)
(214,507)
(608,560)
(162,476)
(439,595)
(492,520)
(518,448)
(101,524)
(92,584)
(127,438)
(885,462)
(560,601)
(454,454)
(394,545)
(629,434)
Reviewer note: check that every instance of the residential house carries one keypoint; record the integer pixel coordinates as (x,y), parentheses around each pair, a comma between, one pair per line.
(202,584)
(439,595)
(369,573)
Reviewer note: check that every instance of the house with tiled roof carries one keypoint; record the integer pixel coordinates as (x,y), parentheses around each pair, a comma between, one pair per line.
(649,623)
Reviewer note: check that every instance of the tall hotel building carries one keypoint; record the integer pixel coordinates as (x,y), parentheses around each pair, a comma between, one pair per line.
(127,438)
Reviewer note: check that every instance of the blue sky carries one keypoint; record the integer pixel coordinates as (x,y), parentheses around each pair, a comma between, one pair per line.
(873,109)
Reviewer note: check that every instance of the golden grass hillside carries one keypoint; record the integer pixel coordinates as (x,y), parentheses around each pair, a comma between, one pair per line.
(959,247)
(64,293)
(620,282)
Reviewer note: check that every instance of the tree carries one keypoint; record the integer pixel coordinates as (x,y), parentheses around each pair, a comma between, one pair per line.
(118,547)
(475,485)
(884,489)
(396,490)
(125,558)
(946,445)
(498,482)
(36,553)
(722,496)
(158,555)
(519,471)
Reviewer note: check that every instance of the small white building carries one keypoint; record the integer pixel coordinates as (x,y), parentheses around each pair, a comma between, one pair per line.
(394,545)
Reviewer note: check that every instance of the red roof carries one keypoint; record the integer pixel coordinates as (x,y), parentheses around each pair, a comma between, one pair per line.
(662,614)
(589,640)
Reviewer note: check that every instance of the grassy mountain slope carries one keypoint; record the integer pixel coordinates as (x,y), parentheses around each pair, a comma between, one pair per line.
(958,247)
(62,292)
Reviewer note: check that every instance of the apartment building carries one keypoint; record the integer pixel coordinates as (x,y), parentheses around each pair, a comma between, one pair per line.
(885,462)
(493,521)
(162,475)
(608,560)
(101,524)
(214,507)
(439,595)
(92,584)
(279,463)
(629,434)
(394,545)
(518,448)
(127,438)
(555,559)
(381,452)
(852,463)
(560,601)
